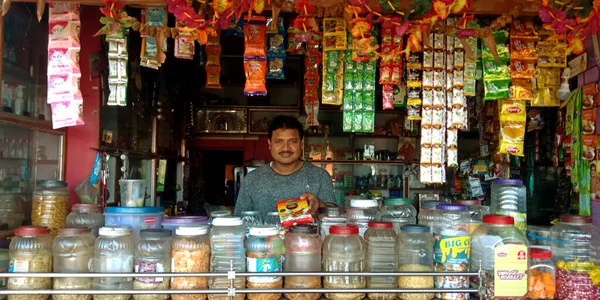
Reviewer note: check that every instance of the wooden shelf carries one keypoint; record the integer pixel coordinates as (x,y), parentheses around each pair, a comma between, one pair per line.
(361,162)
(47,162)
(28,122)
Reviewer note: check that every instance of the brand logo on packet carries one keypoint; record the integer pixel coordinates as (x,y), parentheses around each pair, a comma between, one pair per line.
(510,275)
(513,110)
(512,150)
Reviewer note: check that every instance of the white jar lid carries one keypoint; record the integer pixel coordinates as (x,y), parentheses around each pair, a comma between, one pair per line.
(264,231)
(363,203)
(115,231)
(200,230)
(228,221)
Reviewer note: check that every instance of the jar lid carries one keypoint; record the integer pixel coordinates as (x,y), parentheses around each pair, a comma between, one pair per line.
(273,214)
(115,231)
(220,213)
(74,231)
(398,201)
(467,202)
(90,207)
(343,229)
(133,210)
(200,230)
(184,220)
(430,203)
(155,233)
(304,229)
(575,219)
(450,206)
(363,203)
(263,230)
(536,252)
(508,181)
(498,219)
(411,228)
(380,225)
(228,221)
(51,183)
(251,213)
(32,230)
(331,211)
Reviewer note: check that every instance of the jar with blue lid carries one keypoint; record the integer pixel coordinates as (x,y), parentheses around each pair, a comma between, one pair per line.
(265,250)
(136,218)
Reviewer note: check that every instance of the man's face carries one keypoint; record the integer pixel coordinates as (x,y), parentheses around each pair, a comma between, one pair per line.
(286,146)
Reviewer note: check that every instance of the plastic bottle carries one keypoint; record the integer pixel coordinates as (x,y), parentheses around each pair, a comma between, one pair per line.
(509,198)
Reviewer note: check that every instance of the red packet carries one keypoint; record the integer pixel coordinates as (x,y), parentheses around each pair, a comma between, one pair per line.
(294,211)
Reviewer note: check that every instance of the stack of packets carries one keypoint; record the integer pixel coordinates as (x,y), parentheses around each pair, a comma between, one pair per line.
(588,122)
(184,46)
(390,66)
(294,46)
(456,101)
(472,69)
(496,75)
(213,63)
(359,93)
(117,68)
(334,45)
(64,73)
(152,16)
(255,56)
(513,118)
(413,86)
(275,49)
(523,59)
(311,82)
(551,60)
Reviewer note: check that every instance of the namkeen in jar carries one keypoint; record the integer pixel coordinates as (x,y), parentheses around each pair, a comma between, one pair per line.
(190,253)
(152,255)
(49,205)
(73,250)
(264,254)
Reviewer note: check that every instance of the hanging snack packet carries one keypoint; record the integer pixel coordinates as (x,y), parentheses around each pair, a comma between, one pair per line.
(255,69)
(183,48)
(255,29)
(276,63)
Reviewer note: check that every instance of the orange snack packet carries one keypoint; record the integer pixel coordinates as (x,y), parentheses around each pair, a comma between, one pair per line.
(256,74)
(294,211)
(255,35)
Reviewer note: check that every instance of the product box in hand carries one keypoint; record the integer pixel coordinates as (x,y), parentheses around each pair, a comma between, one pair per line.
(294,211)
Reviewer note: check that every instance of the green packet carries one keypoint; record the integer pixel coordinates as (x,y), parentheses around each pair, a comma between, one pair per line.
(348,101)
(496,89)
(359,100)
(368,121)
(503,53)
(347,121)
(492,70)
(357,121)
(368,98)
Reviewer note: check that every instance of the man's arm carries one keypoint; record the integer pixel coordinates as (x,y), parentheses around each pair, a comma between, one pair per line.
(244,200)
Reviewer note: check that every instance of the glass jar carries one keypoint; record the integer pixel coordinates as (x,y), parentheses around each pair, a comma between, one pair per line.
(303,254)
(426,214)
(381,257)
(498,247)
(451,248)
(361,212)
(30,252)
(344,251)
(575,244)
(49,205)
(113,253)
(218,214)
(509,198)
(399,211)
(227,241)
(86,215)
(415,254)
(264,254)
(152,255)
(190,253)
(328,217)
(540,276)
(73,250)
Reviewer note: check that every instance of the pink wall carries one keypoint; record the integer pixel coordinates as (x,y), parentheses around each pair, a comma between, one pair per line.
(258,149)
(79,157)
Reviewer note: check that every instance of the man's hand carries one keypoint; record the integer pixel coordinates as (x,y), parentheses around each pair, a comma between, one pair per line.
(313,202)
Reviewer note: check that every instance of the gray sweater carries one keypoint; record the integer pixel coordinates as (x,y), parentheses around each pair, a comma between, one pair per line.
(262,188)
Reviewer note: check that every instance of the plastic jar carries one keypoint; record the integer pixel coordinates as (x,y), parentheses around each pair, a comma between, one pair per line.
(4,263)
(50,205)
(415,254)
(426,214)
(251,219)
(218,214)
(330,216)
(30,252)
(344,251)
(509,198)
(12,212)
(399,211)
(451,248)
(227,243)
(172,223)
(361,212)
(152,255)
(476,211)
(303,254)
(73,251)
(541,275)
(575,244)
(190,253)
(381,257)
(86,216)
(113,253)
(498,247)
(264,254)
(136,218)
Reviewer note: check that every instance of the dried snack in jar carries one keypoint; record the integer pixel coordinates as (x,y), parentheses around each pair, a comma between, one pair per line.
(69,283)
(344,296)
(415,282)
(267,282)
(304,282)
(39,263)
(187,261)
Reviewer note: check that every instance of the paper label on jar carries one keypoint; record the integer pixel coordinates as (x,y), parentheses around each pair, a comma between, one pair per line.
(148,267)
(510,270)
(452,282)
(18,266)
(264,265)
(452,249)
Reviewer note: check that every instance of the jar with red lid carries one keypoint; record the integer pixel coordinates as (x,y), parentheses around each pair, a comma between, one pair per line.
(344,251)
(30,252)
(541,274)
(381,257)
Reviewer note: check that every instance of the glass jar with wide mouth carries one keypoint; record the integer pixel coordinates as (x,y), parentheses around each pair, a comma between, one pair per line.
(227,249)
(415,254)
(361,212)
(152,255)
(86,216)
(399,211)
(344,250)
(114,252)
(303,254)
(30,252)
(73,251)
(190,254)
(381,257)
(264,254)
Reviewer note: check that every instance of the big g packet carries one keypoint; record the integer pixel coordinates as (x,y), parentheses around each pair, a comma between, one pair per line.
(294,211)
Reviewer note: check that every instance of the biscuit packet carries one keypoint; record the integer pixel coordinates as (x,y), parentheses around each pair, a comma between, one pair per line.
(294,211)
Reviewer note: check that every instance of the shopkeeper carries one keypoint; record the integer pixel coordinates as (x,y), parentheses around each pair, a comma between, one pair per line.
(287,176)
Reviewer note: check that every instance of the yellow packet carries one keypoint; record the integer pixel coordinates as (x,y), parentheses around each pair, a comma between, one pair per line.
(512,111)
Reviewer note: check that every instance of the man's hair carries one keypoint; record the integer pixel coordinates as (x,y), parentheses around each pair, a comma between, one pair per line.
(286,122)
